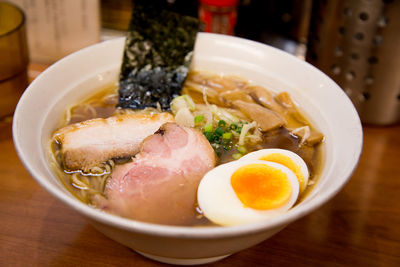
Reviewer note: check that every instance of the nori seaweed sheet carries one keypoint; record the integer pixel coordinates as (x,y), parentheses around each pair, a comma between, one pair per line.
(157,55)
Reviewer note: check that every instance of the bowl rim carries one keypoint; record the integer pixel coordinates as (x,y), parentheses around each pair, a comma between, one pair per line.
(211,232)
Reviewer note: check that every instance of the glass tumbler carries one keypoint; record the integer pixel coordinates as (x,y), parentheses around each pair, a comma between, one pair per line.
(13,57)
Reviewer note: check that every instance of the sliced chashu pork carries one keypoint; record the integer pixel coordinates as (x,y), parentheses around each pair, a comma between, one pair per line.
(160,185)
(88,143)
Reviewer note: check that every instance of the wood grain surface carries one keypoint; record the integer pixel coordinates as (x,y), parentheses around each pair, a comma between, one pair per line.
(358,227)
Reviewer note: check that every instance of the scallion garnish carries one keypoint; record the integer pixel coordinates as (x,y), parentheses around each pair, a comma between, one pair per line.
(242,150)
(237,156)
(221,123)
(219,131)
(208,128)
(209,136)
(198,119)
(223,137)
(227,136)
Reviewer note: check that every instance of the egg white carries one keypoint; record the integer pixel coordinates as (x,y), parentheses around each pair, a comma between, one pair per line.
(256,155)
(220,204)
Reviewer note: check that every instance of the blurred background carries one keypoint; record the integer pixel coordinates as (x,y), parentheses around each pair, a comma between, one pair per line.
(356,43)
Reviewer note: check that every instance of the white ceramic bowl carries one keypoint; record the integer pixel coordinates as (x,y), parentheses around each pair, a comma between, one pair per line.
(43,103)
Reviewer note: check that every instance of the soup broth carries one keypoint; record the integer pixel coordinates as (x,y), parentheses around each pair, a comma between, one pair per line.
(205,91)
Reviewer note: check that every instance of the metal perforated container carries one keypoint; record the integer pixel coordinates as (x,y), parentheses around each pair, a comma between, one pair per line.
(357,43)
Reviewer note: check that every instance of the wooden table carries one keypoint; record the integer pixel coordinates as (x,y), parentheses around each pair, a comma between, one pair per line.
(359,227)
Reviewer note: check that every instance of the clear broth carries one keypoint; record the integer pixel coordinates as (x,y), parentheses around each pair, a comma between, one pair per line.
(102,105)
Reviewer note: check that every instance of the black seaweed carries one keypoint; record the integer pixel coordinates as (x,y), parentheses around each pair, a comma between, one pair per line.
(157,55)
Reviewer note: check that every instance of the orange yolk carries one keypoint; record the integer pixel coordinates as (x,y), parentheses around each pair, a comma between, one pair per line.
(261,187)
(287,162)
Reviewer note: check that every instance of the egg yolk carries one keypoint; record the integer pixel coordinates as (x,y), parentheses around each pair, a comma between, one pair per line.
(287,162)
(261,187)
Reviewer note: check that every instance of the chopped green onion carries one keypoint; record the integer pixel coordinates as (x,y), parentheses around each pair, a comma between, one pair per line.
(242,150)
(216,139)
(227,135)
(219,131)
(209,136)
(237,156)
(221,123)
(233,126)
(198,118)
(183,101)
(208,128)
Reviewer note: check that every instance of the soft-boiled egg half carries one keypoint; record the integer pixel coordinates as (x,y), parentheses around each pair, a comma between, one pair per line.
(251,189)
(286,158)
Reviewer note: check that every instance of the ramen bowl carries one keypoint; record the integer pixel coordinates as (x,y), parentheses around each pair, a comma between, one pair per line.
(43,104)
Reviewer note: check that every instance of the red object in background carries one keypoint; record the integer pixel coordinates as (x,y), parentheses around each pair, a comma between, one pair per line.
(219,16)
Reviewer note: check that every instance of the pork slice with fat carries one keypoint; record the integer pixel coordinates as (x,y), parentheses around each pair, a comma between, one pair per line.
(160,185)
(88,143)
